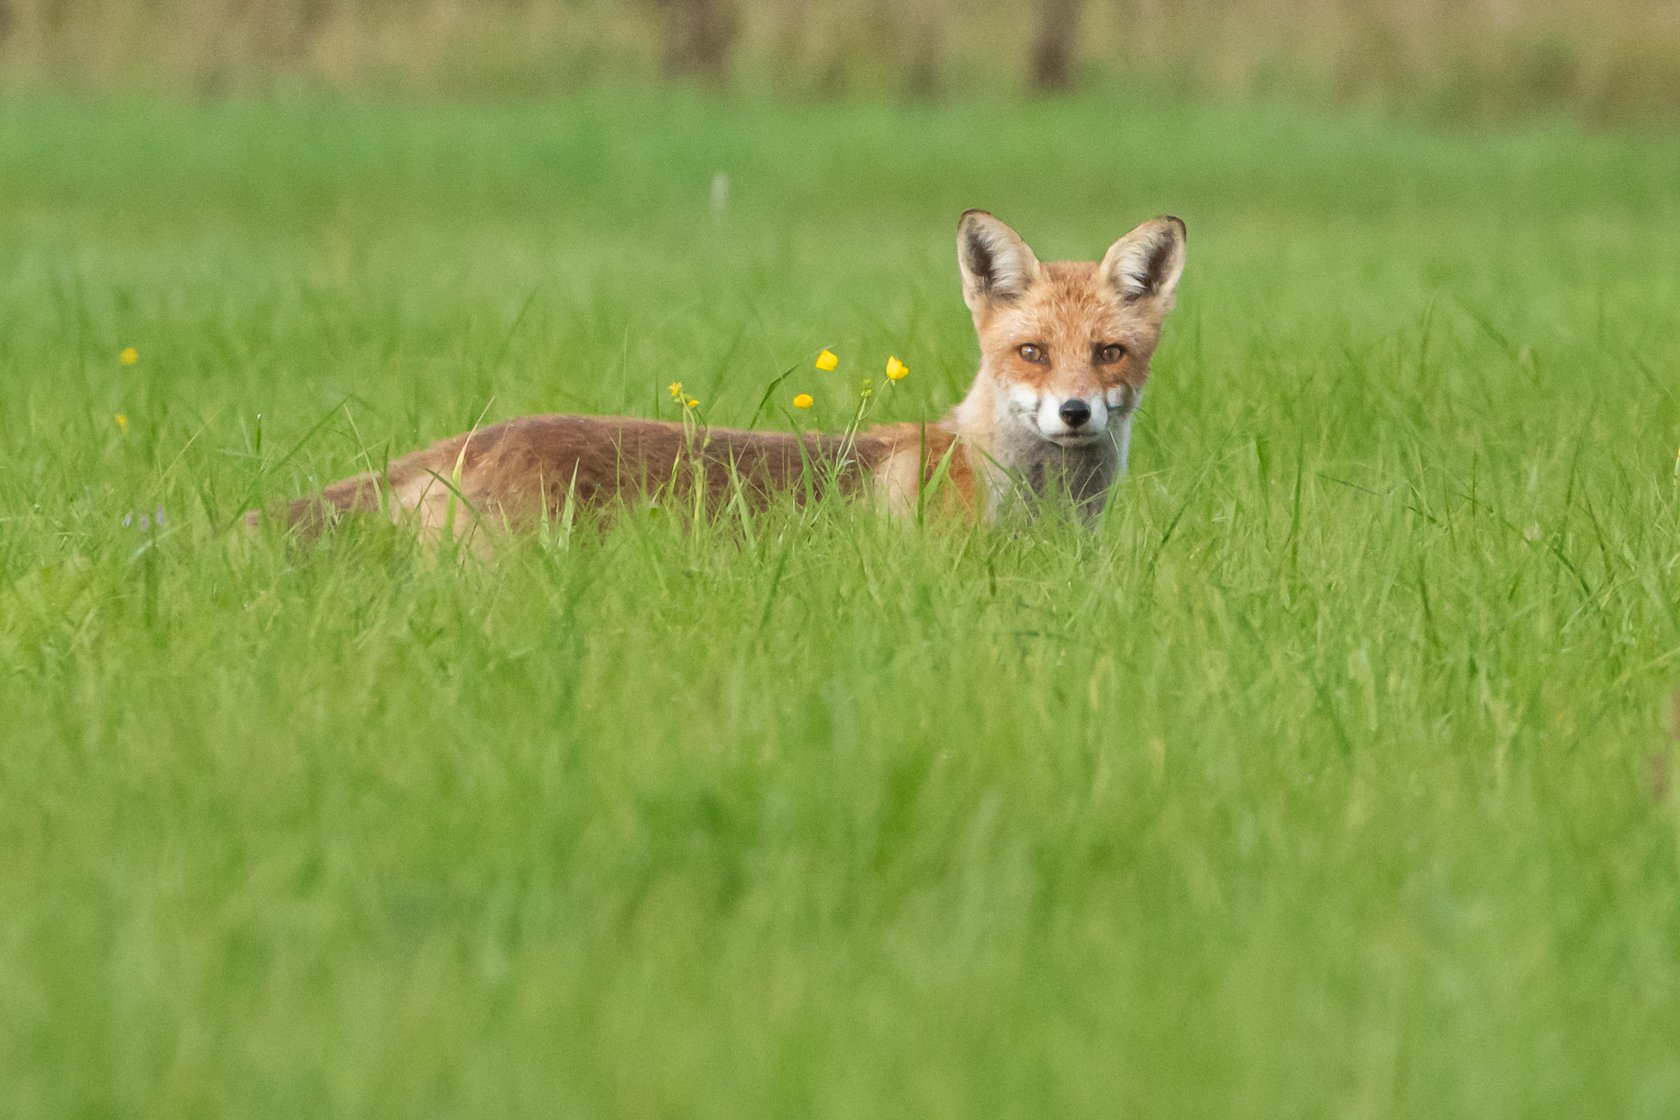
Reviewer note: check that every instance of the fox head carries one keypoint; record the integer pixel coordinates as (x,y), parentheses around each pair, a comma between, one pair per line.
(1064,345)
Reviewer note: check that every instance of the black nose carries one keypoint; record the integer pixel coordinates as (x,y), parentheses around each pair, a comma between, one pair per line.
(1075,413)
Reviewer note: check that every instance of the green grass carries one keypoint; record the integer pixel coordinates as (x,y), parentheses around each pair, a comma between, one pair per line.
(1322,780)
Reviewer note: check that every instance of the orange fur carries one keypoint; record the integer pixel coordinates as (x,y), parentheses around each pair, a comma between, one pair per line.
(520,472)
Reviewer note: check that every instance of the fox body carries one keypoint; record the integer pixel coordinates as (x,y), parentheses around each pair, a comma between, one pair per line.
(1064,354)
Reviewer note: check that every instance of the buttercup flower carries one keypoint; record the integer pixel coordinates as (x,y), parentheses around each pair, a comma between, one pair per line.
(897,370)
(128,356)
(122,423)
(692,402)
(805,400)
(827,360)
(675,389)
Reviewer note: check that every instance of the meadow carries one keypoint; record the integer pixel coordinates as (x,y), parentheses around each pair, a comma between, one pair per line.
(1331,775)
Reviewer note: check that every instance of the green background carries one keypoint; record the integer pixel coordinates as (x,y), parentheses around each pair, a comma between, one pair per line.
(1331,775)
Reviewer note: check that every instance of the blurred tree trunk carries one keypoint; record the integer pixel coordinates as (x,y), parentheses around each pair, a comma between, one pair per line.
(1051,66)
(924,40)
(699,35)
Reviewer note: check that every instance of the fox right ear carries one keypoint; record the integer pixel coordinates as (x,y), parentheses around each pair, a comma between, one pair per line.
(1147,262)
(996,264)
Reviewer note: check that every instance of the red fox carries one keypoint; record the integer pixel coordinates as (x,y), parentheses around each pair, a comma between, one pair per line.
(1064,354)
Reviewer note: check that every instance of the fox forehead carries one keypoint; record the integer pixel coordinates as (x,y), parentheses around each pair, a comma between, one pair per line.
(1069,308)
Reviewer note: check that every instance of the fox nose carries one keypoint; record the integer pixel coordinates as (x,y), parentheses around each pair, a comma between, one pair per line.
(1075,412)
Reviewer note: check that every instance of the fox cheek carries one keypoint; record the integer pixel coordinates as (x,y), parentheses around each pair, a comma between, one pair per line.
(1122,399)
(1021,401)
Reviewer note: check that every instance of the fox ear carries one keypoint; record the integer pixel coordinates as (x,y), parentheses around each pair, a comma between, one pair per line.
(996,264)
(1147,262)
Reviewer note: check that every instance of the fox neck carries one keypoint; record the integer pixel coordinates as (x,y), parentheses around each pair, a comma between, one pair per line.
(1013,457)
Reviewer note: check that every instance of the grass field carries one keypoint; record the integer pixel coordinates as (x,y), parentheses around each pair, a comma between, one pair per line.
(1326,778)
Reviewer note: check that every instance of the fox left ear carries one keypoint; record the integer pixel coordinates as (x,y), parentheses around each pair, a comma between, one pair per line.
(1147,262)
(997,266)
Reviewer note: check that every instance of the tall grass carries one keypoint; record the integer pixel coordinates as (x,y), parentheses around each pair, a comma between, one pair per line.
(1331,775)
(1603,60)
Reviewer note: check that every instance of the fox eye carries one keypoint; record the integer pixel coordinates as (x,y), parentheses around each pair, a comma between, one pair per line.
(1032,352)
(1113,352)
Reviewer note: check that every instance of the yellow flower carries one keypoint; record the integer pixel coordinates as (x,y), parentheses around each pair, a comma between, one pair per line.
(675,389)
(805,400)
(897,370)
(122,422)
(128,356)
(692,402)
(827,360)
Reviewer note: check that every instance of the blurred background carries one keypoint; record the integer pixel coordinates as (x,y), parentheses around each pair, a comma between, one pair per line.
(1601,61)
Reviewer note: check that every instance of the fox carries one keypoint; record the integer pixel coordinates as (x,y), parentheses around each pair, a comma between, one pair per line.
(1065,350)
